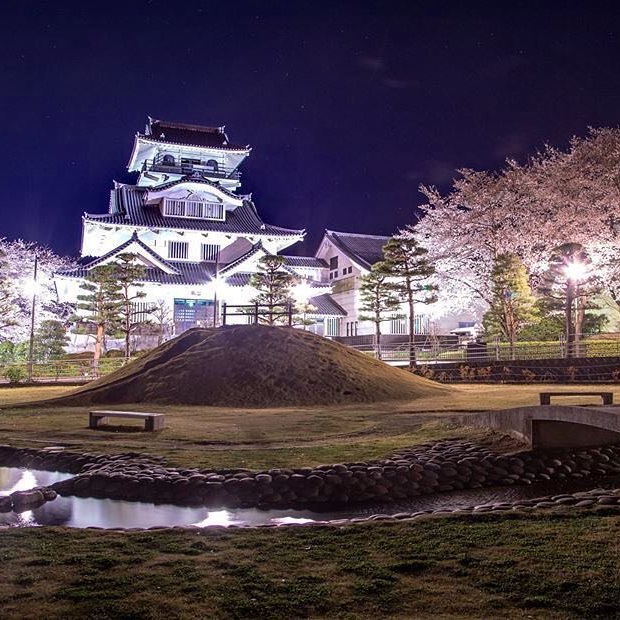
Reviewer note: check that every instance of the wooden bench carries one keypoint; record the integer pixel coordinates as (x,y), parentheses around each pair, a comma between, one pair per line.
(152,421)
(608,397)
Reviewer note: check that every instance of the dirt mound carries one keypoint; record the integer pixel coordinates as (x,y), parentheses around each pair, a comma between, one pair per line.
(254,366)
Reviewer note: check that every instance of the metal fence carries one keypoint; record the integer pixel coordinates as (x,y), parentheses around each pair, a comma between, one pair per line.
(58,371)
(496,351)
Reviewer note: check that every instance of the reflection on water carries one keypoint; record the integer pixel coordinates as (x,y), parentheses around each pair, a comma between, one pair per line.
(107,513)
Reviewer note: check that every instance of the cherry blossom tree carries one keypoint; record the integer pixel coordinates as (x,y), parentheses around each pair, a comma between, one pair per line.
(17,287)
(554,198)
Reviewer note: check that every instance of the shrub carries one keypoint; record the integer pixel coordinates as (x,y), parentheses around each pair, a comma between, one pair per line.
(15,374)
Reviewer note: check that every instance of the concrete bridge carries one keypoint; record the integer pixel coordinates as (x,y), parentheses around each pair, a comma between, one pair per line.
(554,426)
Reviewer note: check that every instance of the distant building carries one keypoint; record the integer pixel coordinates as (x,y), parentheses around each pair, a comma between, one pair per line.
(200,240)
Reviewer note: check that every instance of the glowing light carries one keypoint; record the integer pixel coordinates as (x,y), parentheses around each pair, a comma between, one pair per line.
(575,271)
(31,287)
(302,291)
(218,286)
(217,517)
(25,483)
(292,521)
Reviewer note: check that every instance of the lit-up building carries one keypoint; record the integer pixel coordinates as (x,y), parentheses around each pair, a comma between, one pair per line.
(200,239)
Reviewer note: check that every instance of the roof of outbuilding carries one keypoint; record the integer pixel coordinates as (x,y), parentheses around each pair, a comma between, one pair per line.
(189,135)
(326,305)
(305,261)
(364,249)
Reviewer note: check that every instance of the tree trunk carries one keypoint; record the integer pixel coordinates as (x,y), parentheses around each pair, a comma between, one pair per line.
(410,302)
(568,317)
(127,327)
(580,313)
(378,339)
(98,346)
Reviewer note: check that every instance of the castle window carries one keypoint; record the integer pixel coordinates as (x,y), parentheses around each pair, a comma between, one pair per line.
(333,263)
(212,164)
(168,160)
(333,327)
(213,211)
(178,250)
(194,209)
(210,252)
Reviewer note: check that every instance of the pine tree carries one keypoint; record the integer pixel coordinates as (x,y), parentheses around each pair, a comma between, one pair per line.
(408,267)
(101,303)
(50,340)
(128,274)
(273,285)
(512,304)
(378,298)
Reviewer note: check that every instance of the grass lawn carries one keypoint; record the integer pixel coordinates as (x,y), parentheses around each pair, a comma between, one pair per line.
(488,566)
(537,565)
(260,438)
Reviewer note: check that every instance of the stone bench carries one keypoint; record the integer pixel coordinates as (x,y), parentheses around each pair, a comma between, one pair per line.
(152,421)
(545,397)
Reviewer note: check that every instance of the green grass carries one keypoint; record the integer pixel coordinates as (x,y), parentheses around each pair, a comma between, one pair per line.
(261,438)
(558,565)
(539,565)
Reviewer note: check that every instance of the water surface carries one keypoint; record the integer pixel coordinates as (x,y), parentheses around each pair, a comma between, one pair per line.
(83,512)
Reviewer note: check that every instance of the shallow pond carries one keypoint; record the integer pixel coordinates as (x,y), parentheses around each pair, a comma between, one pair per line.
(107,513)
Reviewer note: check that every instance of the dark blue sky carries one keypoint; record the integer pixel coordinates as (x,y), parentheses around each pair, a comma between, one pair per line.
(348,106)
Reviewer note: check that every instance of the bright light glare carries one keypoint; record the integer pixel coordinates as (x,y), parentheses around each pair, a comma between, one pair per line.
(31,287)
(302,291)
(218,286)
(575,271)
(25,483)
(292,521)
(216,517)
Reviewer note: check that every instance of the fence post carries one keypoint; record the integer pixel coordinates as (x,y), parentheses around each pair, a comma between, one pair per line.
(290,315)
(224,314)
(256,313)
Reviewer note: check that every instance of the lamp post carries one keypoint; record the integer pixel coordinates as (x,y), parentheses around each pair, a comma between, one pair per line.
(219,287)
(301,293)
(32,311)
(575,272)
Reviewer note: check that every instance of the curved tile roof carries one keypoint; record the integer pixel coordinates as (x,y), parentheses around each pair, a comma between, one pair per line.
(305,261)
(364,249)
(127,208)
(189,135)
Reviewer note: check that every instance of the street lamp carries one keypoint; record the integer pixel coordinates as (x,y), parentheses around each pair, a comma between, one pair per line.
(575,272)
(32,312)
(301,293)
(218,286)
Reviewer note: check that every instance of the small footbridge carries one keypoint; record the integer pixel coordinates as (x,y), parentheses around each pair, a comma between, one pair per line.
(554,426)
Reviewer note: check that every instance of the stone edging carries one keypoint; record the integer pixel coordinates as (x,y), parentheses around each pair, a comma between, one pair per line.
(421,470)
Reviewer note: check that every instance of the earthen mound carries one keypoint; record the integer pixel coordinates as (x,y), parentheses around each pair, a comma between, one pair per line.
(254,366)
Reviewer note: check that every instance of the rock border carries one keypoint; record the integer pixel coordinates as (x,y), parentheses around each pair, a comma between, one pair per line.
(421,470)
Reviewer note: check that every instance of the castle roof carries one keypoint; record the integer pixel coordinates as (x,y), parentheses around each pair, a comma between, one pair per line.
(128,208)
(363,249)
(189,135)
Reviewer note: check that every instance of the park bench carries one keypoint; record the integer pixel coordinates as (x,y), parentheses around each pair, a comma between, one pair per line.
(545,397)
(152,421)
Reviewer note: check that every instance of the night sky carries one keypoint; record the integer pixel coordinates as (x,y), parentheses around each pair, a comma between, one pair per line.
(348,106)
